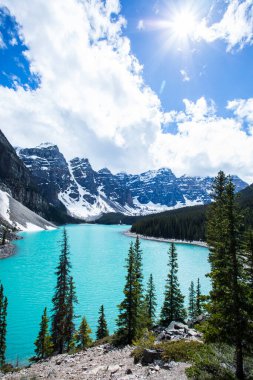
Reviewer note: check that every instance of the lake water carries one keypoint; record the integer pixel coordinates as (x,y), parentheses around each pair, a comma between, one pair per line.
(98,255)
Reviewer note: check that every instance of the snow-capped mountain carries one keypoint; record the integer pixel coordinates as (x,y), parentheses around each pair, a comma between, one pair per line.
(87,193)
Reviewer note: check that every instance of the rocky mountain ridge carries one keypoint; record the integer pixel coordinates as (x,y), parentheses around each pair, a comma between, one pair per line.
(87,193)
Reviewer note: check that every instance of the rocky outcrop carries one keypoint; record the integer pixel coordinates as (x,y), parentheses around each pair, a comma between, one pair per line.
(104,363)
(176,331)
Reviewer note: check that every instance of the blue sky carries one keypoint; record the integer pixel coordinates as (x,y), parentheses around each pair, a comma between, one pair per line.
(133,85)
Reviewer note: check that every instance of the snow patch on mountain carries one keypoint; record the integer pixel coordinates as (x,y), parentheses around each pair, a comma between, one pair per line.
(87,193)
(20,217)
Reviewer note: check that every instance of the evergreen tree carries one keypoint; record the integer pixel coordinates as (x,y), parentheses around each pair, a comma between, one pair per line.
(102,330)
(228,320)
(173,306)
(3,325)
(132,317)
(126,321)
(43,343)
(150,302)
(192,302)
(199,302)
(62,318)
(70,326)
(82,336)
(141,316)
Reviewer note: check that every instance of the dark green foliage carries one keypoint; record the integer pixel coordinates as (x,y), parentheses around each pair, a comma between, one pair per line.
(43,343)
(71,300)
(228,321)
(64,297)
(82,335)
(132,319)
(127,319)
(199,299)
(212,362)
(187,223)
(3,325)
(173,306)
(102,330)
(192,302)
(150,302)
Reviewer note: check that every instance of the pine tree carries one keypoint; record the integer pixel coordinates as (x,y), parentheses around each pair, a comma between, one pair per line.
(70,326)
(62,318)
(3,325)
(126,321)
(227,309)
(150,302)
(199,302)
(192,302)
(141,317)
(102,330)
(173,306)
(43,343)
(82,336)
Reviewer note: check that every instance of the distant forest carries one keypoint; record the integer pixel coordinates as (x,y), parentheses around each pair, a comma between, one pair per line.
(188,223)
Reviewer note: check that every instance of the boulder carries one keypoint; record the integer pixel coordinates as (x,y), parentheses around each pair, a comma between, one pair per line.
(149,356)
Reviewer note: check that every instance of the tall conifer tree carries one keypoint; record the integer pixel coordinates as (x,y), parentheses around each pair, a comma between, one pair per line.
(102,330)
(127,319)
(3,325)
(199,302)
(62,318)
(43,343)
(70,326)
(228,320)
(150,302)
(173,306)
(192,302)
(131,319)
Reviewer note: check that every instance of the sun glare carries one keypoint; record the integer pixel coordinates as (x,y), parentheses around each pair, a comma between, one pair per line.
(183,24)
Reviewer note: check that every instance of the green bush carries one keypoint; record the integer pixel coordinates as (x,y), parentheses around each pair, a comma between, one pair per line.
(212,362)
(180,350)
(147,341)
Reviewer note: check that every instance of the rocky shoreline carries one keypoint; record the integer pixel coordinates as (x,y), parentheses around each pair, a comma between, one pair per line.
(162,240)
(7,250)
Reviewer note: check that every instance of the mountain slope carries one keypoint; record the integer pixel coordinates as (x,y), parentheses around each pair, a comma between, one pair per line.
(17,180)
(16,215)
(88,194)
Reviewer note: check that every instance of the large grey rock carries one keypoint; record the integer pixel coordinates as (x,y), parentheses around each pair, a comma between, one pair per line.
(149,356)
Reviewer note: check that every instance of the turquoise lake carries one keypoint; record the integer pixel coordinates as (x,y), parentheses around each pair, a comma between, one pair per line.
(98,255)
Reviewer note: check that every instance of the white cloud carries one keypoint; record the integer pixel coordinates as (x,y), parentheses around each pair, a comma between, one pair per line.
(235,27)
(185,76)
(243,109)
(92,100)
(205,143)
(140,25)
(2,43)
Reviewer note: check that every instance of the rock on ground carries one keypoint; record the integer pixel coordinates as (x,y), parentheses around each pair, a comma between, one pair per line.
(99,363)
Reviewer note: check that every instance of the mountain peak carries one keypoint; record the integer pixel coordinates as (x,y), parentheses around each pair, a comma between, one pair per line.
(46,145)
(104,171)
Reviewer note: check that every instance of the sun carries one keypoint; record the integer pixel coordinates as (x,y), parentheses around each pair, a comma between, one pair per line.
(183,24)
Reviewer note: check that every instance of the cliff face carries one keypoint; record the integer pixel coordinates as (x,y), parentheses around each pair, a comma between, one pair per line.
(16,177)
(18,181)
